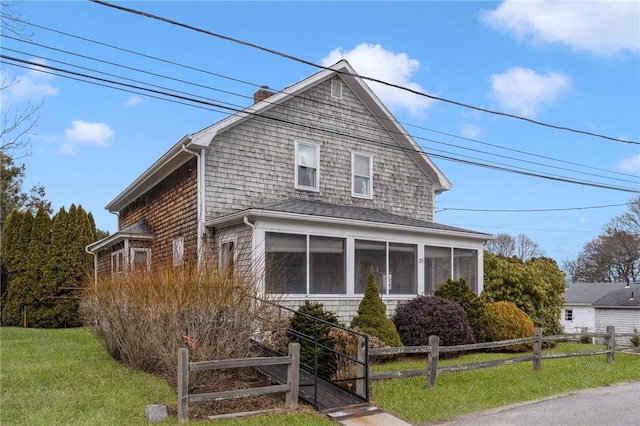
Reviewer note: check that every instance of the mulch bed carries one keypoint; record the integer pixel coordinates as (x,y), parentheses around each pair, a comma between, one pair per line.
(231,380)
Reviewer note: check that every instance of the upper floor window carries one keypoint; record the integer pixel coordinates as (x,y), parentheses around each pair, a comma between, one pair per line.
(362,169)
(307,166)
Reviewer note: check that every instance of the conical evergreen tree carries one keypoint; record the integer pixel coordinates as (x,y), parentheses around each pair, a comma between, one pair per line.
(35,292)
(15,250)
(10,236)
(372,315)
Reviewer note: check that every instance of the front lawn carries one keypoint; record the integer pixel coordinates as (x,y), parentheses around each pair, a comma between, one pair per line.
(64,377)
(462,393)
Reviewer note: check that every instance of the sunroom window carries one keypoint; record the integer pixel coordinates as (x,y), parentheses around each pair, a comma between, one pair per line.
(287,257)
(444,263)
(307,164)
(394,265)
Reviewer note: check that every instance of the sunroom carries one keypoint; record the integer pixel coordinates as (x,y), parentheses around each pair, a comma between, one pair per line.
(322,252)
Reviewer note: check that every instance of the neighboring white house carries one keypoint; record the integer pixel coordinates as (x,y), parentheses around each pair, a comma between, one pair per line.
(591,307)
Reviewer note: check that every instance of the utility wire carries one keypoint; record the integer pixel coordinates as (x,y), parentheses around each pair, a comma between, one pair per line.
(26,63)
(397,86)
(562,209)
(244,96)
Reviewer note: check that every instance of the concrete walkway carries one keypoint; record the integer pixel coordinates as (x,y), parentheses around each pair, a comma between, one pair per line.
(378,419)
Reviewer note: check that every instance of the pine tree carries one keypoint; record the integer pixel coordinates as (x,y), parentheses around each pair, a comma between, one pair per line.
(15,249)
(35,291)
(10,236)
(372,315)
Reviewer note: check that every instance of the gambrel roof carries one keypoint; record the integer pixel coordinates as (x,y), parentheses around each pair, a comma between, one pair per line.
(184,149)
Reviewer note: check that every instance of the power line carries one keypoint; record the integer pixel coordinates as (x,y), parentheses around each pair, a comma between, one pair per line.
(319,114)
(528,210)
(200,102)
(397,86)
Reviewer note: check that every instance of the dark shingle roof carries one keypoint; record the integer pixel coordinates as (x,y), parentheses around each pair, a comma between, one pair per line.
(602,294)
(317,208)
(621,297)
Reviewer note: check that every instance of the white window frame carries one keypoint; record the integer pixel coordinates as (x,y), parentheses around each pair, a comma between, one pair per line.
(178,250)
(224,241)
(132,257)
(316,147)
(116,266)
(355,193)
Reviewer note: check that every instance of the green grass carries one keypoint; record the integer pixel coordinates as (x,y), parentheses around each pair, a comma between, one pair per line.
(462,393)
(64,377)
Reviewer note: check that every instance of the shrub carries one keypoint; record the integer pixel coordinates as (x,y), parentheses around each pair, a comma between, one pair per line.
(507,321)
(346,343)
(305,321)
(423,316)
(143,318)
(372,315)
(459,292)
(635,339)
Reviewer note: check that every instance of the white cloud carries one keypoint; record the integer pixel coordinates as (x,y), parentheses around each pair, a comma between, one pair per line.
(372,60)
(133,100)
(471,131)
(582,220)
(523,91)
(601,27)
(630,165)
(32,85)
(83,133)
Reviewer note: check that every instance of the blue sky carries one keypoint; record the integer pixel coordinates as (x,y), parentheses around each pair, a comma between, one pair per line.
(572,64)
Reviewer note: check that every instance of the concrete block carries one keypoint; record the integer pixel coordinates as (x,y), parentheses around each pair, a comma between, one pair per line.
(156,412)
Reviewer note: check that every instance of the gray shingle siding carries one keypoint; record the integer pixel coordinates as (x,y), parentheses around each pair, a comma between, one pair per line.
(253,163)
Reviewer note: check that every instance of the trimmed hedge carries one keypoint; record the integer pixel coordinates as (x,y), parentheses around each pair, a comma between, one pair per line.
(507,321)
(372,315)
(423,316)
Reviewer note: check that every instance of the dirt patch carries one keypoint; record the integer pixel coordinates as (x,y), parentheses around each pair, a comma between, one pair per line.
(232,380)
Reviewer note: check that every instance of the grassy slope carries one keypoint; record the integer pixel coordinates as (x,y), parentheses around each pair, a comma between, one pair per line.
(462,393)
(64,377)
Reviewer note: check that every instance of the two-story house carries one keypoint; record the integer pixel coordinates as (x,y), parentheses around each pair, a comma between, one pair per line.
(310,187)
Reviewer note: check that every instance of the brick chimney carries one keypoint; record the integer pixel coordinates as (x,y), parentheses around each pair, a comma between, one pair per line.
(262,94)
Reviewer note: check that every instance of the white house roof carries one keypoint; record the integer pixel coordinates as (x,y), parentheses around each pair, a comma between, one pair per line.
(183,150)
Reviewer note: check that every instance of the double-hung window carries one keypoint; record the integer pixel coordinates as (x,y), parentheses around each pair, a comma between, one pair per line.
(362,171)
(307,166)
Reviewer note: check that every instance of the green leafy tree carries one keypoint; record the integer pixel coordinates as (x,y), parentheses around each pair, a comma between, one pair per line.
(372,315)
(535,286)
(461,293)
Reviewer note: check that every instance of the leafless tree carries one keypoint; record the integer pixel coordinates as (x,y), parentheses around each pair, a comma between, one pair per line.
(521,246)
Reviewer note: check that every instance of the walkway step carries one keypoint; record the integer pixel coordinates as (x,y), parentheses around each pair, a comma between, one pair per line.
(352,411)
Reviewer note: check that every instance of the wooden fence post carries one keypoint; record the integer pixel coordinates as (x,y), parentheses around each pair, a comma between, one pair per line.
(361,368)
(537,349)
(183,385)
(434,355)
(611,344)
(293,376)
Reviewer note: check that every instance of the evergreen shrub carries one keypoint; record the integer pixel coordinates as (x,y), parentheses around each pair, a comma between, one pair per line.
(459,292)
(419,318)
(372,315)
(305,321)
(507,321)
